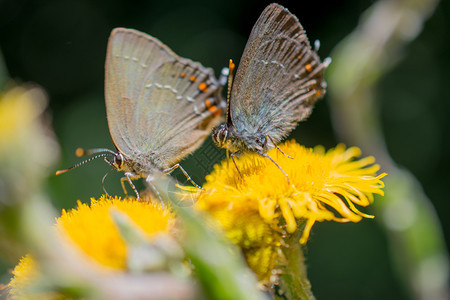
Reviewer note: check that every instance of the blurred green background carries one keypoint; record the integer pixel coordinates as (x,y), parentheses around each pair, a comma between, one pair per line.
(61,45)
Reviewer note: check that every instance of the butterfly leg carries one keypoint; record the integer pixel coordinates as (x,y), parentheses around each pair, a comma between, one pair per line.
(122,182)
(169,170)
(128,177)
(232,157)
(267,156)
(103,181)
(276,146)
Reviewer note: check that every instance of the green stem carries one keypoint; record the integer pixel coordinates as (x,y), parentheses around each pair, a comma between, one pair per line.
(293,280)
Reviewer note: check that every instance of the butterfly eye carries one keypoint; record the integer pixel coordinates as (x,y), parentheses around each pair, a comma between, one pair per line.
(214,137)
(220,135)
(223,134)
(118,161)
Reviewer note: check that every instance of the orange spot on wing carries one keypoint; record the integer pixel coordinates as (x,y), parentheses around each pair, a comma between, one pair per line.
(203,87)
(209,103)
(193,78)
(308,67)
(182,74)
(216,111)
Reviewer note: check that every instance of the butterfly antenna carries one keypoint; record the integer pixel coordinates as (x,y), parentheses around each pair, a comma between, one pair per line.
(230,83)
(81,152)
(230,78)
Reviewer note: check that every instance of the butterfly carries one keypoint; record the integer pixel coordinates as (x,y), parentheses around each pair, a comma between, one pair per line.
(277,83)
(160,107)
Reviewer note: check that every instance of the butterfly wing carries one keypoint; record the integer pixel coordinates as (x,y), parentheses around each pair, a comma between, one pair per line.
(158,104)
(279,77)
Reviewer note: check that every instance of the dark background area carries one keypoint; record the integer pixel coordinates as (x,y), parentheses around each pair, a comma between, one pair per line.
(61,45)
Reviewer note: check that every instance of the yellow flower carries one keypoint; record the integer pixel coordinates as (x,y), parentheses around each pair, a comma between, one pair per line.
(92,230)
(258,212)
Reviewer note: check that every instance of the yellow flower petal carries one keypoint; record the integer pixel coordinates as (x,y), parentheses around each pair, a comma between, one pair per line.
(25,274)
(92,229)
(322,186)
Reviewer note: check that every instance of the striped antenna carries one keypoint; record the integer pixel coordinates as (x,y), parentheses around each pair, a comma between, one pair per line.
(81,152)
(230,83)
(230,78)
